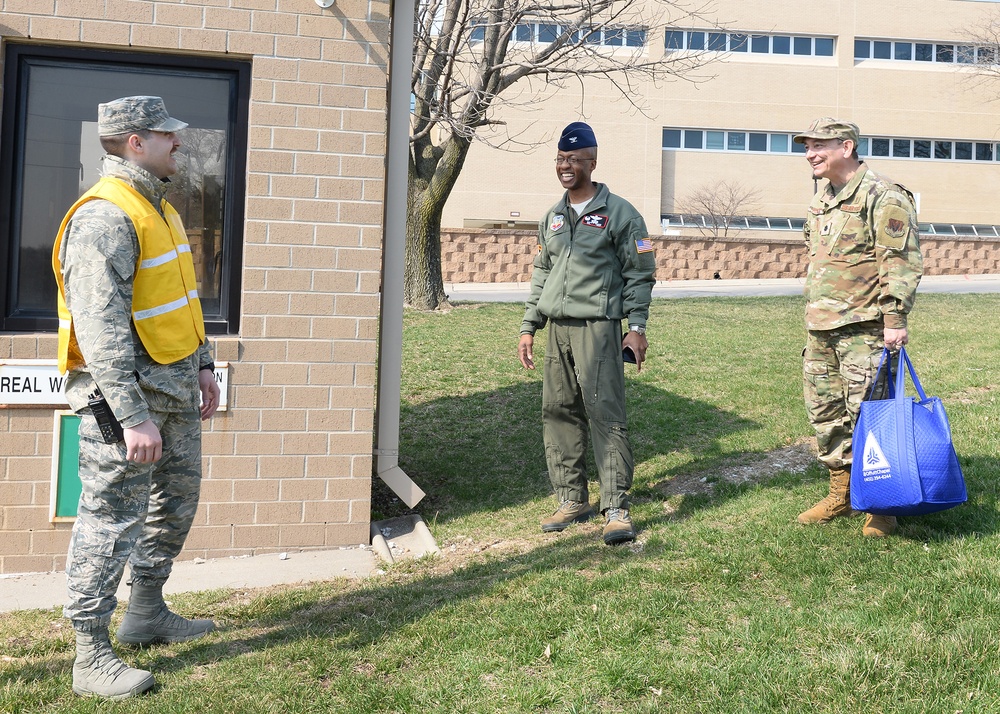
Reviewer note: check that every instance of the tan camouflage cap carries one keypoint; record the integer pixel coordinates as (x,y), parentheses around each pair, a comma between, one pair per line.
(128,114)
(829,128)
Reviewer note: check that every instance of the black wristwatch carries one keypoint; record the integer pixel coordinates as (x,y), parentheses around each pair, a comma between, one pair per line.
(209,366)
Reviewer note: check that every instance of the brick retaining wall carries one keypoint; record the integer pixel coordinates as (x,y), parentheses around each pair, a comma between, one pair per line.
(477,255)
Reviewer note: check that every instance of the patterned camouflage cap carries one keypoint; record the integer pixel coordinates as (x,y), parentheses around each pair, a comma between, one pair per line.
(829,128)
(130,114)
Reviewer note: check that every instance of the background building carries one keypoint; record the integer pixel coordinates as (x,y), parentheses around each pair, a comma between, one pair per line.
(899,69)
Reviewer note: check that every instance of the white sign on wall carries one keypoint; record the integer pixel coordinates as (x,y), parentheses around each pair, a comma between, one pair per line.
(37,383)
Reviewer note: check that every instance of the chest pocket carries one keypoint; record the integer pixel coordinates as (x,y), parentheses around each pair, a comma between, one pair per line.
(849,238)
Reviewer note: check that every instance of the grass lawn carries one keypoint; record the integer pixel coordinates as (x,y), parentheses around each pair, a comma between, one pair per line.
(724,604)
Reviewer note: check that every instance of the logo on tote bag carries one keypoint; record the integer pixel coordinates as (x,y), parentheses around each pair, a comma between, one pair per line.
(875,466)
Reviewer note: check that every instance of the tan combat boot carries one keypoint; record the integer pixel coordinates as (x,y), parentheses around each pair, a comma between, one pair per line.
(878,526)
(149,620)
(97,671)
(837,503)
(569,512)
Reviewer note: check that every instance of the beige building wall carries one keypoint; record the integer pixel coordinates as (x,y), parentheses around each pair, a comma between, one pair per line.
(289,465)
(769,93)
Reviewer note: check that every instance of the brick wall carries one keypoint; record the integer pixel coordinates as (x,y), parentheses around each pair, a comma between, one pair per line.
(474,255)
(290,464)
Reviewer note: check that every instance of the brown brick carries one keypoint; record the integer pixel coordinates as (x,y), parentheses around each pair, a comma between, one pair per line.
(258,443)
(296,93)
(284,468)
(275,209)
(275,23)
(291,233)
(28,564)
(328,466)
(51,542)
(302,443)
(263,397)
(108,33)
(19,542)
(234,467)
(311,304)
(355,352)
(209,537)
(257,536)
(358,305)
(332,420)
(278,513)
(365,375)
(362,466)
(286,326)
(334,374)
(350,443)
(55,28)
(21,518)
(256,490)
(302,536)
(335,281)
(242,419)
(349,489)
(289,373)
(276,68)
(227,19)
(319,117)
(283,420)
(217,443)
(179,15)
(294,186)
(364,420)
(271,162)
(304,47)
(337,50)
(307,397)
(289,279)
(216,490)
(302,489)
(249,43)
(316,164)
(230,514)
(265,303)
(264,351)
(311,351)
(27,469)
(15,493)
(326,511)
(348,533)
(334,328)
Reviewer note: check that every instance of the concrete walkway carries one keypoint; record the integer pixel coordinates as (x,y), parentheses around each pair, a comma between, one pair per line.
(47,590)
(518,292)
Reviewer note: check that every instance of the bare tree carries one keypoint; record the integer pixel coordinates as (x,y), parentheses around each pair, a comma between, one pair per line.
(468,54)
(979,55)
(722,204)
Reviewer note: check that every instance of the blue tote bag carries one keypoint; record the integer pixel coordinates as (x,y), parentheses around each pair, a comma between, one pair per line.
(904,462)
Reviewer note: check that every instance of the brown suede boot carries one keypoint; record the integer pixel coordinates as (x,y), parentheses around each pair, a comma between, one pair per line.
(837,503)
(878,526)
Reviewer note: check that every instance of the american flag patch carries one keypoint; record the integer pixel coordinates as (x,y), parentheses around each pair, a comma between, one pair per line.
(643,245)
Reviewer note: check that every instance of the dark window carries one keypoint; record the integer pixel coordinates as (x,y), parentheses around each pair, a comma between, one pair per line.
(880,147)
(942,149)
(737,141)
(984,152)
(522,33)
(862,49)
(614,37)
(824,46)
(797,223)
(798,148)
(594,38)
(717,41)
(758,223)
(781,44)
(671,138)
(696,40)
(779,142)
(478,33)
(692,139)
(636,38)
(990,231)
(758,142)
(675,40)
(881,49)
(963,150)
(943,229)
(986,55)
(924,52)
(921,149)
(547,34)
(965,54)
(50,155)
(760,44)
(903,50)
(944,53)
(901,148)
(738,43)
(803,45)
(964,229)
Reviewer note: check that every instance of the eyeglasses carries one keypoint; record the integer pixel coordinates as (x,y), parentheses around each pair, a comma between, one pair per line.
(571,160)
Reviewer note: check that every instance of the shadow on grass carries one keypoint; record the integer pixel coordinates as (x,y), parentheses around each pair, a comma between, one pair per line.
(484,452)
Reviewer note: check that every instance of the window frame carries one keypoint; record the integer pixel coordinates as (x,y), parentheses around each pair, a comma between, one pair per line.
(18,57)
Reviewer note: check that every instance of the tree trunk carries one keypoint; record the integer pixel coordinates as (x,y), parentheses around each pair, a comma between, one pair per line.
(432,175)
(423,285)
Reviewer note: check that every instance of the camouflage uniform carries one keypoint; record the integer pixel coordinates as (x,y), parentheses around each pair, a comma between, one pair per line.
(135,512)
(864,267)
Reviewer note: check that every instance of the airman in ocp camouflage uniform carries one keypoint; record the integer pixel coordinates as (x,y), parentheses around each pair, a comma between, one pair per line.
(864,267)
(131,330)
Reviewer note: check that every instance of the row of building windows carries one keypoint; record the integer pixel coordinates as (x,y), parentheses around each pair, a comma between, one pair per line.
(907,51)
(746,42)
(688,220)
(547,33)
(782,143)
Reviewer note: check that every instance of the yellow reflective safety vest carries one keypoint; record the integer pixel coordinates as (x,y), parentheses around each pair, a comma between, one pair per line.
(166,310)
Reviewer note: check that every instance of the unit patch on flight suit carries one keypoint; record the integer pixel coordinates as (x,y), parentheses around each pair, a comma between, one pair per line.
(595,220)
(558,221)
